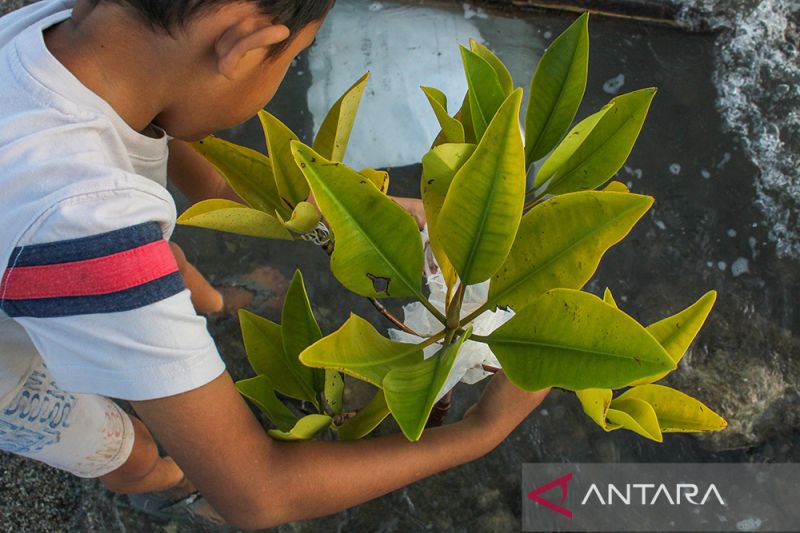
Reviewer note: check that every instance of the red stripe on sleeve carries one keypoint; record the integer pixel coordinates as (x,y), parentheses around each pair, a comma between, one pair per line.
(103,275)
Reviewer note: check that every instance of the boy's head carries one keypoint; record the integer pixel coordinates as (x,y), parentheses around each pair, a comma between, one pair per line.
(235,53)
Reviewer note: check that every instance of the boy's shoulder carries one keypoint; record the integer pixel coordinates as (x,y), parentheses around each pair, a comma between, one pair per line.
(71,166)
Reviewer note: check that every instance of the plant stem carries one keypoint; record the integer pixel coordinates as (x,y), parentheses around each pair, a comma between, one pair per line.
(491,369)
(440,410)
(479,338)
(430,307)
(393,319)
(454,309)
(475,314)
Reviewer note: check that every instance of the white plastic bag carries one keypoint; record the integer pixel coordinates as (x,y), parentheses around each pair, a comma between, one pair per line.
(468,366)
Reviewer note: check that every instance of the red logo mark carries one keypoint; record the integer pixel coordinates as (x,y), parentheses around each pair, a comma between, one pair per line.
(562,482)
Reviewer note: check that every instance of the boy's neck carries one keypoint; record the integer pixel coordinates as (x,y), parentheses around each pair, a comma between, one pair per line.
(138,72)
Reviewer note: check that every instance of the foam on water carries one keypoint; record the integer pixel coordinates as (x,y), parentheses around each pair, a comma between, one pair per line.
(758,80)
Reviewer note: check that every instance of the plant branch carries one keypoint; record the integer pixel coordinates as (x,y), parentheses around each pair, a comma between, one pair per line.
(393,319)
(475,314)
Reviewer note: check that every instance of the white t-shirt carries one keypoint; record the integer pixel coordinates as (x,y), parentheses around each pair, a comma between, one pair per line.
(89,283)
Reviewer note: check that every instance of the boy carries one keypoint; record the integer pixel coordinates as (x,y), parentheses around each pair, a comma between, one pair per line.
(93,302)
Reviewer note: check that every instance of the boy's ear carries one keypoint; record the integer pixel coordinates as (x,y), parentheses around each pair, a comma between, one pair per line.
(240,39)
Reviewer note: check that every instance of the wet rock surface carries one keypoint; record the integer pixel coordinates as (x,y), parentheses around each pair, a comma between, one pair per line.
(704,232)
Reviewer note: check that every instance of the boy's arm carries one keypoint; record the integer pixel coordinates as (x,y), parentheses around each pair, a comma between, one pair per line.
(254,482)
(195,177)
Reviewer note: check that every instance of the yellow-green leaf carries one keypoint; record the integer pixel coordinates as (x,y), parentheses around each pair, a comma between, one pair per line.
(411,390)
(561,241)
(637,416)
(334,391)
(464,116)
(264,345)
(334,134)
(259,390)
(503,75)
(452,130)
(248,172)
(482,211)
(485,93)
(291,184)
(676,411)
(233,217)
(358,350)
(569,145)
(609,299)
(616,186)
(439,166)
(378,250)
(557,90)
(572,339)
(379,178)
(304,429)
(595,404)
(368,418)
(304,219)
(300,330)
(677,332)
(603,151)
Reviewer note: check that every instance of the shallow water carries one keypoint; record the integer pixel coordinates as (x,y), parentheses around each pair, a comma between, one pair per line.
(757,75)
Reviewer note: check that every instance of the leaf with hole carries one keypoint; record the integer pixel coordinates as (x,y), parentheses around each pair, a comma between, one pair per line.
(378,250)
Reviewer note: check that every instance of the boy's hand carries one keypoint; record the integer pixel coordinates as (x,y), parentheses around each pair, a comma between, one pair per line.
(502,407)
(414,208)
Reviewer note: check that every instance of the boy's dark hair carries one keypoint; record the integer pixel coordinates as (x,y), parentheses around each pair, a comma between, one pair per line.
(170,14)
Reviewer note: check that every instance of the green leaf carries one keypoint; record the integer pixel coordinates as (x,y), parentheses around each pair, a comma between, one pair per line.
(306,428)
(264,345)
(334,391)
(560,243)
(358,350)
(300,330)
(609,299)
(233,217)
(676,411)
(557,90)
(292,186)
(573,340)
(464,116)
(368,418)
(259,390)
(452,130)
(334,134)
(305,218)
(439,166)
(616,186)
(677,332)
(503,75)
(248,172)
(595,403)
(379,178)
(603,150)
(637,416)
(569,145)
(482,211)
(485,94)
(411,390)
(378,250)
